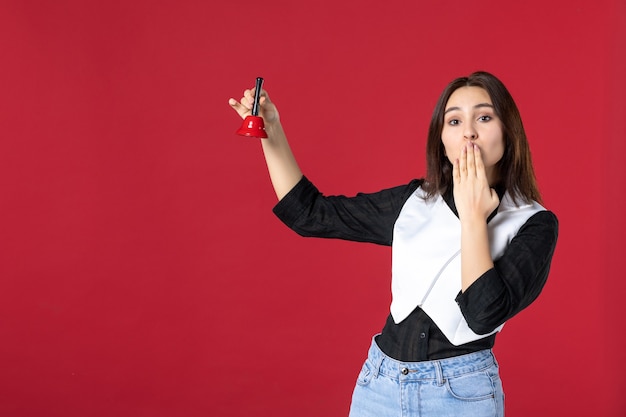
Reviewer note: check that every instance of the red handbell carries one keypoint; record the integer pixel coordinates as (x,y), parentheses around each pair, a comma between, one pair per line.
(253,125)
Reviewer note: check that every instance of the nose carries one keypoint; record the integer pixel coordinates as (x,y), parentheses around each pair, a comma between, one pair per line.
(470,133)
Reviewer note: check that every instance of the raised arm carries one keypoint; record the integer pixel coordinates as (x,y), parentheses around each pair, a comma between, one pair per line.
(281,164)
(474,200)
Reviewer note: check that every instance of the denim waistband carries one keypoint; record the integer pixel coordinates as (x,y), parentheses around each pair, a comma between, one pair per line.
(439,369)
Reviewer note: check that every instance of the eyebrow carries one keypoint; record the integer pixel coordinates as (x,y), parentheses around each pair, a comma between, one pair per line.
(478,106)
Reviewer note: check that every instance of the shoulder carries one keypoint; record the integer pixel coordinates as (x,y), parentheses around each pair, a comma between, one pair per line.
(408,187)
(395,196)
(544,218)
(542,226)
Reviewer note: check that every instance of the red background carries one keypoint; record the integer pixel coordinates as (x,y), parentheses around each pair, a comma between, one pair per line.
(142,271)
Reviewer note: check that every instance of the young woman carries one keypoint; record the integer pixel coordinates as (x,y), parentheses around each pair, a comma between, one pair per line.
(471,247)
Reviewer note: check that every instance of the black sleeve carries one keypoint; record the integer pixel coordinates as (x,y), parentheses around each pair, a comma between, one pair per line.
(362,218)
(516,279)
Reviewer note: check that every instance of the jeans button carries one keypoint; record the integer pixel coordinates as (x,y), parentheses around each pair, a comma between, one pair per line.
(404,371)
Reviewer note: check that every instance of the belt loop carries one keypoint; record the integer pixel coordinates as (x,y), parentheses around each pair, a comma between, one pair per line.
(493,357)
(379,363)
(439,372)
(377,356)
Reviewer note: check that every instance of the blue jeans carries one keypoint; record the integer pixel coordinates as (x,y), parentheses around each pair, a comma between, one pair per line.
(467,385)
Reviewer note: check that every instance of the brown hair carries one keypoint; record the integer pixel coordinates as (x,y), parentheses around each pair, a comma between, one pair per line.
(515,169)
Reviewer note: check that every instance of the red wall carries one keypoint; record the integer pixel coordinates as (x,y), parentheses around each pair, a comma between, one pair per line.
(142,272)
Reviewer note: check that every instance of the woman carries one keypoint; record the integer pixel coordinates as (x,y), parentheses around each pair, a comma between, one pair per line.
(471,247)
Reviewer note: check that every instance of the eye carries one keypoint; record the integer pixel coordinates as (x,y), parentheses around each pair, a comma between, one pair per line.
(453,122)
(484,118)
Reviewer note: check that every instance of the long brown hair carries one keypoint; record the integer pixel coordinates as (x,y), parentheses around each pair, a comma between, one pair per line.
(514,171)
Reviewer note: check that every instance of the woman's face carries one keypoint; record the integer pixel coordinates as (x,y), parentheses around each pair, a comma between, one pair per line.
(469,116)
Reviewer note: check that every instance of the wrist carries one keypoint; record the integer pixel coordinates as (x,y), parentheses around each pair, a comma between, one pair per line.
(273,126)
(472,220)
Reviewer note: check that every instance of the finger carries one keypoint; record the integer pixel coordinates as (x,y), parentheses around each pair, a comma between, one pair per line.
(243,101)
(495,200)
(494,196)
(242,110)
(456,176)
(248,98)
(263,97)
(471,160)
(478,162)
(463,163)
